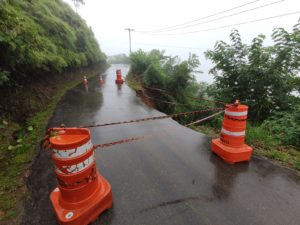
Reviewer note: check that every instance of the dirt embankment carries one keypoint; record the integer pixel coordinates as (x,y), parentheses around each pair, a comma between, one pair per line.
(144,96)
(34,95)
(136,85)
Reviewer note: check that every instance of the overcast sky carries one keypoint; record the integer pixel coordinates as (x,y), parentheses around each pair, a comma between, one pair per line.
(109,18)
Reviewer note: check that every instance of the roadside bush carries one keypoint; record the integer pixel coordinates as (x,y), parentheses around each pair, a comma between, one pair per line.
(285,126)
(154,76)
(176,77)
(4,77)
(138,63)
(259,135)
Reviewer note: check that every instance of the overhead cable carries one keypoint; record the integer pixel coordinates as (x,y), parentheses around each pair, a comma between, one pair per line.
(205,17)
(170,46)
(219,18)
(229,25)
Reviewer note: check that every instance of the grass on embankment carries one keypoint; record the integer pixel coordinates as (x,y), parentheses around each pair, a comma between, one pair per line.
(262,142)
(18,147)
(133,83)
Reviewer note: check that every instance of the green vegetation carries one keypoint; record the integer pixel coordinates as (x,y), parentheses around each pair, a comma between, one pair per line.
(155,69)
(261,77)
(284,126)
(45,49)
(134,84)
(41,37)
(266,142)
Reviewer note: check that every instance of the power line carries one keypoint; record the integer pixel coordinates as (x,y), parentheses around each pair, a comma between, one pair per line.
(230,25)
(219,18)
(170,46)
(205,17)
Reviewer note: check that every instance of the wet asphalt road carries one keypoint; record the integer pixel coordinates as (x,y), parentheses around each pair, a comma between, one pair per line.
(170,177)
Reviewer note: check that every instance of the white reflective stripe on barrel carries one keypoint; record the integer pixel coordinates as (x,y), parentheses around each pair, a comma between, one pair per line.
(78,167)
(236,134)
(229,113)
(71,153)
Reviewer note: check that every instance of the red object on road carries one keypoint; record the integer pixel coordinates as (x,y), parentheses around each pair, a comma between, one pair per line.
(101,81)
(85,81)
(231,145)
(82,193)
(119,79)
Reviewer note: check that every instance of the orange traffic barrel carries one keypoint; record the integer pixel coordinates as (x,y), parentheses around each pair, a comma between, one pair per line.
(101,81)
(85,81)
(119,79)
(231,145)
(82,193)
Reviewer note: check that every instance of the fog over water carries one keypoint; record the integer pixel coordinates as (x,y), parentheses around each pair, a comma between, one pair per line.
(108,20)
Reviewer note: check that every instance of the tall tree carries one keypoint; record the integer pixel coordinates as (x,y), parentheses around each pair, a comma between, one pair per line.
(262,77)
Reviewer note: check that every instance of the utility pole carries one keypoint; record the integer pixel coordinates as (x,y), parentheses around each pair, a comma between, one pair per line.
(129,32)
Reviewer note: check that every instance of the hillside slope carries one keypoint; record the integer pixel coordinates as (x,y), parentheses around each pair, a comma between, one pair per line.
(45,49)
(39,38)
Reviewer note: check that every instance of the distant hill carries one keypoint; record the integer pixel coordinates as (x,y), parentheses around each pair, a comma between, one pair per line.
(118,59)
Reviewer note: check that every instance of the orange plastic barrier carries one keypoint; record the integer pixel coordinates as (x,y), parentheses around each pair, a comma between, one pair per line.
(82,193)
(231,145)
(85,81)
(101,81)
(119,79)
